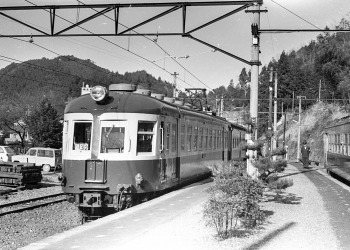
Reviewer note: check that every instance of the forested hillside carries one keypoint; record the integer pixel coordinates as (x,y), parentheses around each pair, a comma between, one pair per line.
(321,68)
(61,78)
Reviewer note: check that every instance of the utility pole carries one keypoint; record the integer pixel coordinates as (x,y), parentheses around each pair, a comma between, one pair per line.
(284,126)
(222,107)
(319,91)
(274,146)
(299,125)
(270,111)
(174,86)
(251,169)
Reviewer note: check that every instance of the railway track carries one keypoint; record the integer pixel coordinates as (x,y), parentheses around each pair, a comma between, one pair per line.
(28,204)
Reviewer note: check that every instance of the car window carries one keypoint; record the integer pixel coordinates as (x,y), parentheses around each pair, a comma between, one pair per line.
(49,153)
(9,150)
(1,150)
(32,152)
(41,153)
(58,153)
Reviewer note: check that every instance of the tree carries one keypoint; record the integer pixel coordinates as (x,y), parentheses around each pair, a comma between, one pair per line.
(45,125)
(13,112)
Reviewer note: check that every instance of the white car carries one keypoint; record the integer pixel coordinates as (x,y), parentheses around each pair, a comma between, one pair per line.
(47,158)
(6,153)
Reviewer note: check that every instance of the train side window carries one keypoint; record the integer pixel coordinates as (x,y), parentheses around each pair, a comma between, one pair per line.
(183,131)
(167,138)
(210,138)
(346,144)
(145,135)
(219,139)
(338,144)
(189,138)
(205,139)
(112,139)
(225,140)
(82,136)
(173,137)
(195,138)
(200,142)
(214,139)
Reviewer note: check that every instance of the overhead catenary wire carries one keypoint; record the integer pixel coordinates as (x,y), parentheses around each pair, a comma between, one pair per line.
(296,15)
(127,49)
(155,41)
(107,41)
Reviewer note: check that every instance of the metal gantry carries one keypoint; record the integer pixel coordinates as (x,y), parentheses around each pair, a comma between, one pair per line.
(9,12)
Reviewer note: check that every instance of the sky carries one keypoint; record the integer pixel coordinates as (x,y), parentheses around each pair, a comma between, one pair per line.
(197,65)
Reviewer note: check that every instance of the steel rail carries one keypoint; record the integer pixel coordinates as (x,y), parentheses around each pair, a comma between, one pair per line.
(30,200)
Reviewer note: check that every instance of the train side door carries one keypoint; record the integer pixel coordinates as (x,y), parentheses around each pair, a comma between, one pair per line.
(169,157)
(175,151)
(228,143)
(162,158)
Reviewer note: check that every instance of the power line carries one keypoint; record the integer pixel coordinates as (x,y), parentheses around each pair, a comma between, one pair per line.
(155,41)
(124,48)
(295,14)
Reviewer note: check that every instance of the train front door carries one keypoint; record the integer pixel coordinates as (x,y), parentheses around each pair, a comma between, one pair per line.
(170,161)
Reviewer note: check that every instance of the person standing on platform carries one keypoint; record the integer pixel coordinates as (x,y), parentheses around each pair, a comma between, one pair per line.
(305,153)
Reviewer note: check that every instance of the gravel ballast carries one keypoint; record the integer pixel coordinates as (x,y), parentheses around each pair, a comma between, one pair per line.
(20,229)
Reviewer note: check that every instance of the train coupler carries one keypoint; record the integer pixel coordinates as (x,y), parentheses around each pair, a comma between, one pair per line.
(92,199)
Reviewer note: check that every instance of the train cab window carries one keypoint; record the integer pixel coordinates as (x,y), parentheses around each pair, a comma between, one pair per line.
(82,136)
(145,134)
(112,137)
(183,131)
(189,138)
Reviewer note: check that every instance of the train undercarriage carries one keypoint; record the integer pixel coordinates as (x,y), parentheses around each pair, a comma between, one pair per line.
(95,205)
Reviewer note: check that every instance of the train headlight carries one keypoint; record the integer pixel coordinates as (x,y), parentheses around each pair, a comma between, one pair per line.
(99,93)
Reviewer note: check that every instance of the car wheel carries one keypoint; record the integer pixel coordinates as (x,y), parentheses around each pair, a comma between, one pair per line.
(46,168)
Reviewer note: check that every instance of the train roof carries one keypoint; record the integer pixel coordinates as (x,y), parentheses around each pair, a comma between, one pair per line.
(124,100)
(339,122)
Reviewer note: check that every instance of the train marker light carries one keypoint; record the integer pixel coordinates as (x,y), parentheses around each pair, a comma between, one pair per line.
(99,93)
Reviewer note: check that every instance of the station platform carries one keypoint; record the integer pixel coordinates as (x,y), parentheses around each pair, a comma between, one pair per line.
(312,214)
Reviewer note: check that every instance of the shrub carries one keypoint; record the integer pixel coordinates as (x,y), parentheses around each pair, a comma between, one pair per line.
(234,198)
(269,170)
(279,151)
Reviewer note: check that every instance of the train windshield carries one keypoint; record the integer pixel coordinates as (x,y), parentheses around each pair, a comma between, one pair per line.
(112,137)
(82,136)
